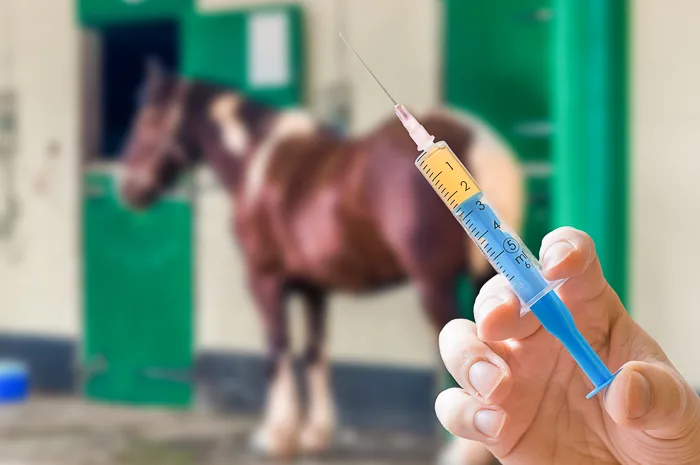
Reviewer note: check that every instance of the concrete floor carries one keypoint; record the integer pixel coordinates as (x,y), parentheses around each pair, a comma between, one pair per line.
(72,432)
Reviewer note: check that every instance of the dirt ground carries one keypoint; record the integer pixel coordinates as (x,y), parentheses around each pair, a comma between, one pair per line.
(73,432)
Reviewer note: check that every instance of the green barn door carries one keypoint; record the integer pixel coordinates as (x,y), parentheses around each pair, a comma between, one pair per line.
(257,50)
(138,279)
(497,66)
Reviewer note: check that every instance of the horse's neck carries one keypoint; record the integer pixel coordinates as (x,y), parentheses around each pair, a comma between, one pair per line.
(243,174)
(207,137)
(228,169)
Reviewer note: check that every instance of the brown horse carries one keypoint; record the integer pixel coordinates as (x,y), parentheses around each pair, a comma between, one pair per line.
(314,213)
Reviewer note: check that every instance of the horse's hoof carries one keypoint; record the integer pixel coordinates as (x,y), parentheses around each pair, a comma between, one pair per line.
(275,443)
(315,440)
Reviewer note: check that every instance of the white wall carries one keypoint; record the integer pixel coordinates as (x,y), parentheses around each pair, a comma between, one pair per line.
(665,166)
(39,268)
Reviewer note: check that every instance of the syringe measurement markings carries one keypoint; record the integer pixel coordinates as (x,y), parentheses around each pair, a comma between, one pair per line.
(453,194)
(436,176)
(480,237)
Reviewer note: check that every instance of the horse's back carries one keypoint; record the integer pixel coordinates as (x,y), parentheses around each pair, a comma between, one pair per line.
(414,221)
(357,214)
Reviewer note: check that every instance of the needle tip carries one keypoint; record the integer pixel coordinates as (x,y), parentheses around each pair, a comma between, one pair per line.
(367,67)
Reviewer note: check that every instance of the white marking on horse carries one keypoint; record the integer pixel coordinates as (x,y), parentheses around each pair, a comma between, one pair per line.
(224,111)
(286,124)
(321,420)
(278,436)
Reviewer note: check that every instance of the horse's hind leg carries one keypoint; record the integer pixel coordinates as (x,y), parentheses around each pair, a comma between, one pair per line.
(278,435)
(318,430)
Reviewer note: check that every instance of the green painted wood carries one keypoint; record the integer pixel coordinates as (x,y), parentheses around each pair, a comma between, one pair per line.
(101,12)
(590,144)
(216,48)
(138,302)
(497,66)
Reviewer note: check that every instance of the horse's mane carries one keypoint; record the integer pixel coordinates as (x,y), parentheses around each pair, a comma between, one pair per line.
(208,88)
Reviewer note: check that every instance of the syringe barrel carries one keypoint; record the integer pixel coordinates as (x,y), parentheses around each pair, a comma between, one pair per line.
(509,255)
(499,243)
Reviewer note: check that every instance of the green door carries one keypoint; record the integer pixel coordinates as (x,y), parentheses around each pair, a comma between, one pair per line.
(101,12)
(257,50)
(138,280)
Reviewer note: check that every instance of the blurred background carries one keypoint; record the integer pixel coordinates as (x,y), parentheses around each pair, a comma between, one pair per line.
(598,99)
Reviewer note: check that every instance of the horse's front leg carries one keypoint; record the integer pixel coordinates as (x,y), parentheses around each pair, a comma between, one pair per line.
(320,422)
(278,435)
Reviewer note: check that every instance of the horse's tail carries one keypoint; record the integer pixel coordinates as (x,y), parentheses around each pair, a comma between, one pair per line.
(499,174)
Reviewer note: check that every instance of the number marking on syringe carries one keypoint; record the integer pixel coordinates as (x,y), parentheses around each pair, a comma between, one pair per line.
(448,176)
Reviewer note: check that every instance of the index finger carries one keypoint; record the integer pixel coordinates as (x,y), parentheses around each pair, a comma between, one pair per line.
(570,253)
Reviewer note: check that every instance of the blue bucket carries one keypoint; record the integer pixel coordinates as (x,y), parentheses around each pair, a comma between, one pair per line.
(14,382)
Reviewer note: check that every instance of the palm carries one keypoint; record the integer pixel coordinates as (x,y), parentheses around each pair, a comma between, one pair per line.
(552,414)
(542,394)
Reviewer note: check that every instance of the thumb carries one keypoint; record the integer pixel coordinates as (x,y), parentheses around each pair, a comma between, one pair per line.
(653,397)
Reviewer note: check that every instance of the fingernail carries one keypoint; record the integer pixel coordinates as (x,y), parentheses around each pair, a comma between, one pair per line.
(489,422)
(485,378)
(490,303)
(638,396)
(557,253)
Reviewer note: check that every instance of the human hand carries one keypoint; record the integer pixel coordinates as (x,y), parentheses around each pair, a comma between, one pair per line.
(524,397)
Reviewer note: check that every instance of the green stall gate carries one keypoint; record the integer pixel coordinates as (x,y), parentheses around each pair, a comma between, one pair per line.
(138,341)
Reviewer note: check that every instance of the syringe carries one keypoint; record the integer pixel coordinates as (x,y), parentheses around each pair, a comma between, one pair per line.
(501,245)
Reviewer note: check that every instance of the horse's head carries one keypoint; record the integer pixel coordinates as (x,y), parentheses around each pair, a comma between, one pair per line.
(155,152)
